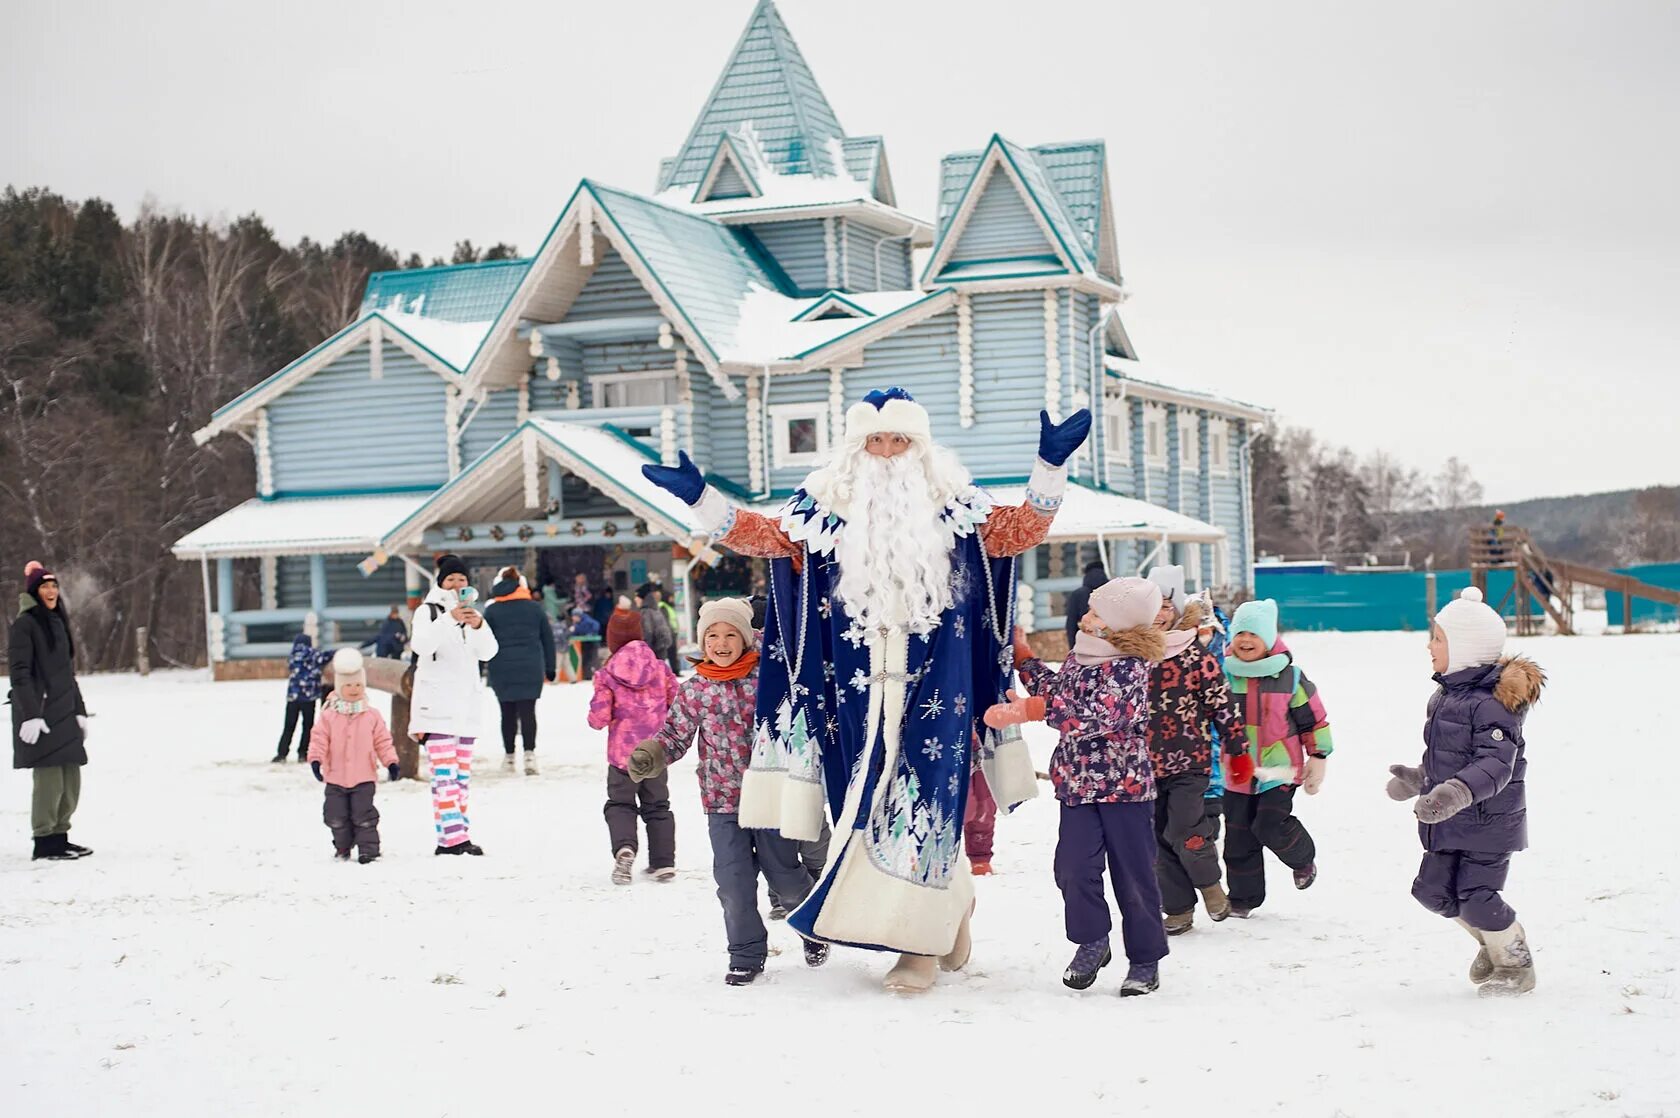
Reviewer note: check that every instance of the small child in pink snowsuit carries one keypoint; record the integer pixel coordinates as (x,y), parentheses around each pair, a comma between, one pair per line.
(348,744)
(634,691)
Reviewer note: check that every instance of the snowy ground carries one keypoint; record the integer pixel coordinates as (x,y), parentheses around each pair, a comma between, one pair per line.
(213,959)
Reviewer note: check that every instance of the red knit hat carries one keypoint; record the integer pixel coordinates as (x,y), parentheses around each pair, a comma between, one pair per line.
(624,626)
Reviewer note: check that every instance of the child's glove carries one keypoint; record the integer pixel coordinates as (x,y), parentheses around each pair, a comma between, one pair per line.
(315,767)
(1023,650)
(646,761)
(1443,801)
(1313,779)
(1405,782)
(1014,712)
(394,773)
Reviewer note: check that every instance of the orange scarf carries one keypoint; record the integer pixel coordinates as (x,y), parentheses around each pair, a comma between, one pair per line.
(520,594)
(740,669)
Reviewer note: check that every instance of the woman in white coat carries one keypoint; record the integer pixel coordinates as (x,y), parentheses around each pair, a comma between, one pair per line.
(449,639)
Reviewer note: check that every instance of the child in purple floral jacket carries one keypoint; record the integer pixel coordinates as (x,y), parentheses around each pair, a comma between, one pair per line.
(1099,702)
(715,706)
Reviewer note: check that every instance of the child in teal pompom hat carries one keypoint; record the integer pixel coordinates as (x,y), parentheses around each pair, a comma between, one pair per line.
(1285,745)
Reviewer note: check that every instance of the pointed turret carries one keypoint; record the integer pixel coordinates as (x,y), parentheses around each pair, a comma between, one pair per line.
(766,84)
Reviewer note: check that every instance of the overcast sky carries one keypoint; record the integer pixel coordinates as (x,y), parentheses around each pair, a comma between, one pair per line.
(1435,227)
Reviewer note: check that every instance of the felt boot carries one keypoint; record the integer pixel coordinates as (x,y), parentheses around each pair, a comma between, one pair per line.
(1217,903)
(1180,923)
(1513,963)
(912,974)
(1481,967)
(530,764)
(507,763)
(957,957)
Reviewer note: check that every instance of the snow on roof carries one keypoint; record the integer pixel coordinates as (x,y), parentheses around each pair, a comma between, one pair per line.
(455,342)
(779,191)
(298,524)
(1155,376)
(1088,513)
(768,333)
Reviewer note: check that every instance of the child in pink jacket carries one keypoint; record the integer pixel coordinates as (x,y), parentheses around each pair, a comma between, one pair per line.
(633,693)
(349,743)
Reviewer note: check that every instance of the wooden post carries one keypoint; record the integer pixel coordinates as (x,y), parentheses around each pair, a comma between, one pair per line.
(142,657)
(1429,597)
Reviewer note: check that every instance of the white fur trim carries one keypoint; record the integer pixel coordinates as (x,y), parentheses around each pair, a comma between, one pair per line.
(1046,486)
(761,798)
(711,510)
(802,811)
(1011,775)
(903,417)
(1266,774)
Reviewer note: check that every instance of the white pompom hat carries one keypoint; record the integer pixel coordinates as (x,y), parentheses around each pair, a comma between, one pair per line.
(1474,630)
(348,667)
(887,410)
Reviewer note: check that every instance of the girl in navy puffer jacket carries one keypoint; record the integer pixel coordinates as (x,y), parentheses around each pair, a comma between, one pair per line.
(1472,813)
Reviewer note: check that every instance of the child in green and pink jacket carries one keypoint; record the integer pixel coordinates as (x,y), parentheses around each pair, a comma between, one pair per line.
(1285,745)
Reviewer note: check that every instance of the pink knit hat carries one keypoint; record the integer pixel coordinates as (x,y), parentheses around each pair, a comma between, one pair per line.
(1127,603)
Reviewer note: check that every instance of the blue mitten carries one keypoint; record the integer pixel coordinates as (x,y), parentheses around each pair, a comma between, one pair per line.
(1056,442)
(683,481)
(394,772)
(315,767)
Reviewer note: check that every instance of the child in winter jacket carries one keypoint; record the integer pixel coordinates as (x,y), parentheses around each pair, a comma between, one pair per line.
(1285,744)
(346,749)
(1188,693)
(715,706)
(1099,702)
(633,692)
(303,690)
(1472,812)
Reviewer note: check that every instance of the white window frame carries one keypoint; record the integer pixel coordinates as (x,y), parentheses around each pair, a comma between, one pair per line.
(1117,448)
(1154,419)
(1219,464)
(782,455)
(1189,457)
(603,380)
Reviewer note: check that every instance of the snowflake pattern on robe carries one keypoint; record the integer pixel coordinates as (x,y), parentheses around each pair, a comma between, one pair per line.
(909,817)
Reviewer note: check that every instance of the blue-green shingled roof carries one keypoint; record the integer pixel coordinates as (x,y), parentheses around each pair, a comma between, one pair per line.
(767,82)
(1066,180)
(454,293)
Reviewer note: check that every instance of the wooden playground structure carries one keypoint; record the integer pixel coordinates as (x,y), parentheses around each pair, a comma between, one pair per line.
(1542,587)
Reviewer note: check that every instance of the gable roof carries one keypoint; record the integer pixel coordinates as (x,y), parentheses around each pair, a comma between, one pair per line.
(1066,185)
(766,82)
(375,328)
(736,169)
(866,161)
(453,292)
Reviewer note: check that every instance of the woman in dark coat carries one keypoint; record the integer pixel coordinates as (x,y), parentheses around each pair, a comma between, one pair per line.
(49,719)
(524,661)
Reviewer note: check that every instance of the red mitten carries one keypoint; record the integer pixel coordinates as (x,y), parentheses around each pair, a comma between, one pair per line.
(1240,769)
(1015,711)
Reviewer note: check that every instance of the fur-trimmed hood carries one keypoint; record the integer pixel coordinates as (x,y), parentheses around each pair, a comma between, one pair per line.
(1520,683)
(1145,642)
(1194,616)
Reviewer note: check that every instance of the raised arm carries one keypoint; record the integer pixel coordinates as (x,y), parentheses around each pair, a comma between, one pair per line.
(742,531)
(1013,530)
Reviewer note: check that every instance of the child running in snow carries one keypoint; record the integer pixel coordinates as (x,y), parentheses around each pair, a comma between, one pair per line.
(633,692)
(348,745)
(716,707)
(303,690)
(1099,702)
(1188,691)
(1473,757)
(1285,744)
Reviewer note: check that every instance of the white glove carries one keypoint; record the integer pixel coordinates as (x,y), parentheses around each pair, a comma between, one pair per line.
(32,730)
(81,724)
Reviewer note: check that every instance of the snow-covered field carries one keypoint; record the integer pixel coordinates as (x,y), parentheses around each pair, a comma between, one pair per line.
(213,959)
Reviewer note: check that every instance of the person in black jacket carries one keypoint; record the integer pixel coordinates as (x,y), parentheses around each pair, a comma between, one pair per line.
(1079,601)
(524,661)
(393,635)
(49,719)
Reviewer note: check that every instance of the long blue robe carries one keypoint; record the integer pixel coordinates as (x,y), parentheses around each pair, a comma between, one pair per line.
(885,723)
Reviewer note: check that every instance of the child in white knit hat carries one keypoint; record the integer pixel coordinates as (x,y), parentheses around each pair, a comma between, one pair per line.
(1474,756)
(347,747)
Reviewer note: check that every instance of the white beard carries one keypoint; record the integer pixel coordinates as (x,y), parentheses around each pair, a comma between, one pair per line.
(894,556)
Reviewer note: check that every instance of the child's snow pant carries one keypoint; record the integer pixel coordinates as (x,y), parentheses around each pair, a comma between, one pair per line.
(353,818)
(1123,835)
(1188,855)
(739,855)
(1466,884)
(304,709)
(1253,825)
(621,811)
